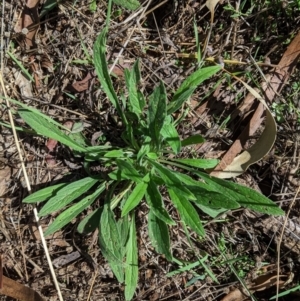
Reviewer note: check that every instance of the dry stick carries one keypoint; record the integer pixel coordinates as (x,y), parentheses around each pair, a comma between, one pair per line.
(17,229)
(281,238)
(2,34)
(159,35)
(92,285)
(29,190)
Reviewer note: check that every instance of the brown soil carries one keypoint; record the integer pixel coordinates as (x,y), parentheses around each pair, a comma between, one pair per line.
(66,88)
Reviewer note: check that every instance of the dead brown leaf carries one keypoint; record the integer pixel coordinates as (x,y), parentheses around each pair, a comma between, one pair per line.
(84,84)
(23,83)
(51,145)
(28,24)
(5,175)
(235,295)
(14,289)
(274,84)
(264,282)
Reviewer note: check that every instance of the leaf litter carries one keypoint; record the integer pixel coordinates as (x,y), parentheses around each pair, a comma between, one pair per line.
(59,42)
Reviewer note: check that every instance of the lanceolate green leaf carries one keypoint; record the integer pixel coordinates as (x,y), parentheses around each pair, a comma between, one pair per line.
(90,222)
(35,111)
(44,194)
(135,197)
(178,101)
(145,148)
(172,181)
(45,128)
(157,112)
(103,74)
(154,200)
(116,153)
(124,225)
(170,134)
(129,4)
(132,79)
(207,184)
(198,163)
(159,235)
(189,85)
(247,197)
(208,195)
(131,271)
(67,194)
(110,241)
(195,139)
(186,210)
(66,216)
(128,171)
(212,212)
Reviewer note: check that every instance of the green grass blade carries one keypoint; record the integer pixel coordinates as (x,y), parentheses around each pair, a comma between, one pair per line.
(44,194)
(67,194)
(111,242)
(131,271)
(198,46)
(189,85)
(198,163)
(157,112)
(48,6)
(186,210)
(45,128)
(24,70)
(155,202)
(65,217)
(103,73)
(159,235)
(134,198)
(287,292)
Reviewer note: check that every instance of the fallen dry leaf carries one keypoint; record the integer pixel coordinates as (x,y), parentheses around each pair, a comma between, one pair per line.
(28,24)
(14,289)
(211,4)
(261,148)
(235,295)
(233,164)
(51,145)
(5,175)
(264,282)
(84,84)
(23,83)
